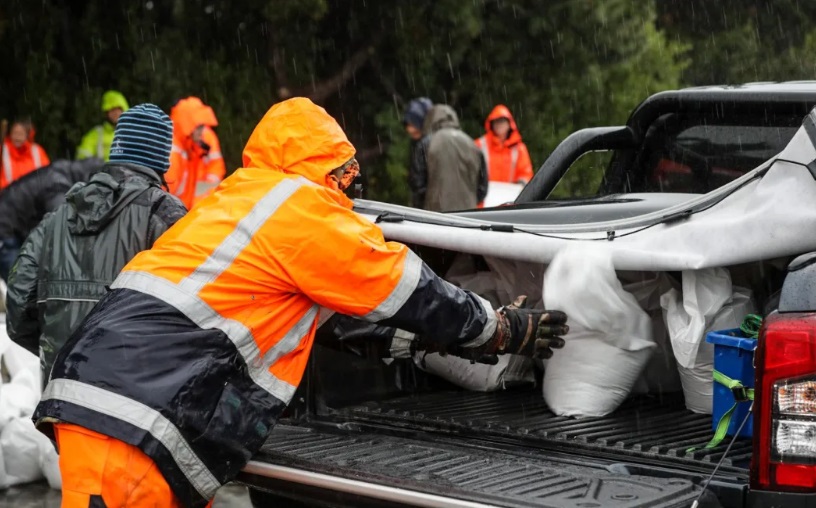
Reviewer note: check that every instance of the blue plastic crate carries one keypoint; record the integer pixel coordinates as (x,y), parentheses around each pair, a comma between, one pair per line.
(734,357)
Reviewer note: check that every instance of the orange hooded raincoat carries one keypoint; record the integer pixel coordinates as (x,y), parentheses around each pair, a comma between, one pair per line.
(194,169)
(508,160)
(16,162)
(204,338)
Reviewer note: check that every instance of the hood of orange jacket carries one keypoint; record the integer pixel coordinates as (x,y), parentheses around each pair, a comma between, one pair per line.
(298,137)
(189,113)
(501,111)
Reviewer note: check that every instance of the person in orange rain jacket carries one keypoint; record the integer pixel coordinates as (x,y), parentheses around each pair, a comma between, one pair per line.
(21,155)
(506,155)
(196,164)
(186,364)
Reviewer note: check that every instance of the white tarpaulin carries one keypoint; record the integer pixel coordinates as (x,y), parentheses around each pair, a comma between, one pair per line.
(762,215)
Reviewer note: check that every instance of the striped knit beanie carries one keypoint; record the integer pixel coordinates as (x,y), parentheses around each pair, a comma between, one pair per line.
(143,136)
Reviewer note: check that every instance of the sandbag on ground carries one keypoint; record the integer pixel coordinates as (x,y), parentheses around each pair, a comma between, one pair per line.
(610,338)
(26,455)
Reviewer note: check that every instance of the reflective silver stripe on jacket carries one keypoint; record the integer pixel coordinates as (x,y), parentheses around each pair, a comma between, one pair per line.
(490,326)
(143,417)
(184,296)
(231,247)
(100,132)
(513,162)
(399,295)
(183,180)
(324,315)
(6,164)
(205,317)
(35,154)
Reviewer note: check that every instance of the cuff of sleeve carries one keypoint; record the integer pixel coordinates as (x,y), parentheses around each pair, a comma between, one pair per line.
(401,344)
(490,326)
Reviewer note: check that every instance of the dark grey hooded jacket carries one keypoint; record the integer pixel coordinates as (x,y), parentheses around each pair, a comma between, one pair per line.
(455,169)
(75,252)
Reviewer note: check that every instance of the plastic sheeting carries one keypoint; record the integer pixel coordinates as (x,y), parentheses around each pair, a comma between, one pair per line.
(759,216)
(610,337)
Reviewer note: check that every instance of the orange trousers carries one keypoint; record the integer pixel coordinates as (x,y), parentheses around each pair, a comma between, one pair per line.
(101,472)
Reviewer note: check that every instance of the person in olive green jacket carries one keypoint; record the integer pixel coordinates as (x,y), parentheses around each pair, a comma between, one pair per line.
(97,142)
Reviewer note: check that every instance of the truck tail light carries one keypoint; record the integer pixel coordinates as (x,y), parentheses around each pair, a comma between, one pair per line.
(784,456)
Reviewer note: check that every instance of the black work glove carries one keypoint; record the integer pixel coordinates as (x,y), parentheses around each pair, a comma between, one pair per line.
(521,331)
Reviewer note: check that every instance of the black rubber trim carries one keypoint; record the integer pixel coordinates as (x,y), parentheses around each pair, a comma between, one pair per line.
(765,499)
(96,501)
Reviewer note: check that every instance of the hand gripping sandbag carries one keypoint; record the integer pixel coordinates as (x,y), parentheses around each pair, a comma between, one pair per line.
(610,337)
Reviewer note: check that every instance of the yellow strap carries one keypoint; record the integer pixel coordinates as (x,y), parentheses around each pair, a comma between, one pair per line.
(725,420)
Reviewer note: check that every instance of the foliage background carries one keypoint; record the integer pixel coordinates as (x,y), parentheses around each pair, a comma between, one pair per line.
(560,65)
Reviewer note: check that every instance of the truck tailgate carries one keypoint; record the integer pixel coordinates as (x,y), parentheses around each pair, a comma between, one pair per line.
(457,470)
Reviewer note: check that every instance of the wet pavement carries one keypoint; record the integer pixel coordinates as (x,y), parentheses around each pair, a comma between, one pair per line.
(31,495)
(40,495)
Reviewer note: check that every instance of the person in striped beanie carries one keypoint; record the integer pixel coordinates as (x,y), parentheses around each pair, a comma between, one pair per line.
(143,136)
(68,260)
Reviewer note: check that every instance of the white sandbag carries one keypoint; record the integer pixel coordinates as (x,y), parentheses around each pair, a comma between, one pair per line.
(510,371)
(708,302)
(20,395)
(610,338)
(20,442)
(18,398)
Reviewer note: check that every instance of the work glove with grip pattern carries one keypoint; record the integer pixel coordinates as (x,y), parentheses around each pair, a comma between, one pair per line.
(521,331)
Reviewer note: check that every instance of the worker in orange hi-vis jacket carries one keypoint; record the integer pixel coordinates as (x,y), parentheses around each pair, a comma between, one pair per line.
(20,154)
(182,369)
(506,155)
(196,163)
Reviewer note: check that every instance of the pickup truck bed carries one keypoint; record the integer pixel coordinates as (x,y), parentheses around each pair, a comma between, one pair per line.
(644,428)
(506,449)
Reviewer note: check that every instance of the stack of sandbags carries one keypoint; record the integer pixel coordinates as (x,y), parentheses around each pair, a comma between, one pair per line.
(26,455)
(610,337)
(708,302)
